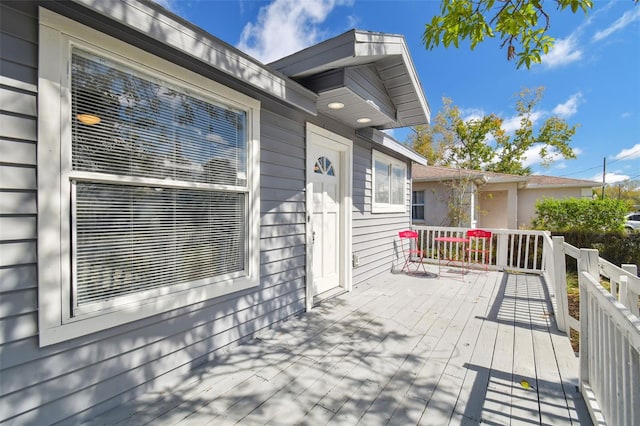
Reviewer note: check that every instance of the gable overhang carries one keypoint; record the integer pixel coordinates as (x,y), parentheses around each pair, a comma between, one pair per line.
(152,20)
(370,74)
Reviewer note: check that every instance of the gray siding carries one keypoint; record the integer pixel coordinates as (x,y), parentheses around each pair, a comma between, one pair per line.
(366,83)
(77,379)
(375,236)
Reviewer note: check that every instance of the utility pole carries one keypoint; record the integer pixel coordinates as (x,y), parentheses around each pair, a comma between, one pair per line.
(604,174)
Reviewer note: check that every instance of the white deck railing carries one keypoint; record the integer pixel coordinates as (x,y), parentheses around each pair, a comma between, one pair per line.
(609,326)
(609,330)
(509,249)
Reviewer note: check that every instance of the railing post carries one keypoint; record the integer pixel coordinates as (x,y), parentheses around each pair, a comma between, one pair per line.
(502,250)
(627,297)
(560,279)
(587,262)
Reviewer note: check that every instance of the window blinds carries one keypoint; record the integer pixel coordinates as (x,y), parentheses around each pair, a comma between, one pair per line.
(131,235)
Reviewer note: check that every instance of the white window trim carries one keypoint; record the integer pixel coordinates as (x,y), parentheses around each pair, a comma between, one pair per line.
(418,205)
(57,35)
(377,207)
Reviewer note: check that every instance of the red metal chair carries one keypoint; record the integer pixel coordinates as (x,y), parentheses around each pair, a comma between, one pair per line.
(412,254)
(479,248)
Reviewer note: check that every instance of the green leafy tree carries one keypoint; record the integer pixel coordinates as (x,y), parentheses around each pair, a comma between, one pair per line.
(553,137)
(628,190)
(521,25)
(452,141)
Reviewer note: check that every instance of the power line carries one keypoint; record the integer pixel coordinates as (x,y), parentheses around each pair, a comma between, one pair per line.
(600,166)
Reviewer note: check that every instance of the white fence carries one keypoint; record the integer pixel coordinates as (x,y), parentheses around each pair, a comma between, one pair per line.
(609,330)
(509,248)
(609,326)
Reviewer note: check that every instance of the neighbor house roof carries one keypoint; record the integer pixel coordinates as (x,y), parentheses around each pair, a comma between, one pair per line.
(436,173)
(371,74)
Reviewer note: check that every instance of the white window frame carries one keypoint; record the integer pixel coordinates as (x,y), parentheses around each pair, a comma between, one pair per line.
(418,205)
(384,207)
(56,322)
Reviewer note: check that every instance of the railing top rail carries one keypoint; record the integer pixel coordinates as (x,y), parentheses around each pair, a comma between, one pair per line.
(629,323)
(614,273)
(493,230)
(571,250)
(608,269)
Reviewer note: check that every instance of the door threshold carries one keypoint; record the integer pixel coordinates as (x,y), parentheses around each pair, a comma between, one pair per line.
(329,294)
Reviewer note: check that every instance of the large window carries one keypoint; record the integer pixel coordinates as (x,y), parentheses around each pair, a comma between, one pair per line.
(417,205)
(389,183)
(157,185)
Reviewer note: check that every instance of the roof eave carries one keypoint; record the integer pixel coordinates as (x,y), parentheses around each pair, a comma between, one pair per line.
(381,138)
(153,20)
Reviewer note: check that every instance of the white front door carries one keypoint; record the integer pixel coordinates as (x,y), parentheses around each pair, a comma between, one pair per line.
(329,211)
(325,218)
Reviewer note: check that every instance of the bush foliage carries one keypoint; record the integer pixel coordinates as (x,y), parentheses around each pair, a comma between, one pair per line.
(580,214)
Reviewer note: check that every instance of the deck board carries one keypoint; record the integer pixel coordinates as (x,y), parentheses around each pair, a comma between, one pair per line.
(397,350)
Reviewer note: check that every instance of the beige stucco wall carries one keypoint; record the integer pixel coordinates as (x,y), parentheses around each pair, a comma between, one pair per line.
(436,199)
(527,200)
(501,206)
(492,212)
(498,206)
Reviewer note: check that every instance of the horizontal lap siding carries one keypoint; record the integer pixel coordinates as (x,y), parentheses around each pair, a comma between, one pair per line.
(374,235)
(77,379)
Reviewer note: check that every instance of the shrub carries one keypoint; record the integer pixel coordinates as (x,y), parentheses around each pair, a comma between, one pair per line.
(580,214)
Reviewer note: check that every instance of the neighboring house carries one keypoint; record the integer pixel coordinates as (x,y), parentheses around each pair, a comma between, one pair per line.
(164,195)
(490,200)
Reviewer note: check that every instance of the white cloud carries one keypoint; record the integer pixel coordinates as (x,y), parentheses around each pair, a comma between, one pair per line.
(627,18)
(532,155)
(472,114)
(511,124)
(570,107)
(285,26)
(632,153)
(561,165)
(353,21)
(563,52)
(611,177)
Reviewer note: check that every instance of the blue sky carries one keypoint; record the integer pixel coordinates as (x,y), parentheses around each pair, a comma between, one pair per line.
(592,77)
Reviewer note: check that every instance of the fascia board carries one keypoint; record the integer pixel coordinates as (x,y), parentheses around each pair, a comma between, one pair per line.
(156,22)
(387,141)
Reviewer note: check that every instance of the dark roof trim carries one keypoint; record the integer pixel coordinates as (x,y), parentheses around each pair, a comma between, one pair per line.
(154,21)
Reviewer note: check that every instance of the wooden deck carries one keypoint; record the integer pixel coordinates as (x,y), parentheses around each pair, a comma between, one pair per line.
(397,350)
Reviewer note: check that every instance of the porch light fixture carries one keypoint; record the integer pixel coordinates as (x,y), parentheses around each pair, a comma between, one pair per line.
(364,120)
(88,119)
(335,105)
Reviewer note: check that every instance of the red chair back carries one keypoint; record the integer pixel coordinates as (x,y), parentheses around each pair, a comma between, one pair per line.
(478,233)
(408,234)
